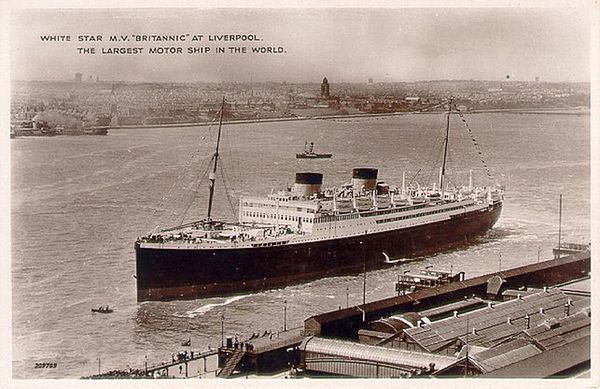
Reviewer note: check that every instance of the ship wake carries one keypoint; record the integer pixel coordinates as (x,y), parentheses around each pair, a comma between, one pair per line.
(208,307)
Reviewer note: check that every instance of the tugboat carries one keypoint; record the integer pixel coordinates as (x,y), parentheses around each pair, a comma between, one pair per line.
(309,153)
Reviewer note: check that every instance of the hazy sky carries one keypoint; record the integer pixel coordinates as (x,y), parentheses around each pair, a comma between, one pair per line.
(343,44)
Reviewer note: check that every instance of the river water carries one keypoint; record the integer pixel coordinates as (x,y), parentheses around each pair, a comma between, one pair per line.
(78,204)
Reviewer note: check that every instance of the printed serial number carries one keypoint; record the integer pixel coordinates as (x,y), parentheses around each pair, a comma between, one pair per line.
(45,365)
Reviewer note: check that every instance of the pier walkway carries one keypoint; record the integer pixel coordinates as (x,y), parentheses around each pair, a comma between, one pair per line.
(279,340)
(198,365)
(261,354)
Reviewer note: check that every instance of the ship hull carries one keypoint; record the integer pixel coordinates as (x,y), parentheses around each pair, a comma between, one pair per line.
(313,156)
(174,274)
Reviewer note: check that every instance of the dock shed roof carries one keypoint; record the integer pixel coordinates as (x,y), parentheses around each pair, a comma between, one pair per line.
(545,350)
(504,355)
(490,326)
(362,352)
(554,333)
(470,303)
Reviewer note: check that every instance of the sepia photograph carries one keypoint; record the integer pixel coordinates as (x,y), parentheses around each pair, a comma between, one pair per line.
(231,191)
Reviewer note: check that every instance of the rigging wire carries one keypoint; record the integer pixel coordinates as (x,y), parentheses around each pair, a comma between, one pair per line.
(438,145)
(226,186)
(184,170)
(232,140)
(476,144)
(434,157)
(435,152)
(413,178)
(434,167)
(196,191)
(474,141)
(201,174)
(231,161)
(224,178)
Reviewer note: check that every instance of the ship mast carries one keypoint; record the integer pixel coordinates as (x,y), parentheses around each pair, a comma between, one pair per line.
(211,177)
(445,148)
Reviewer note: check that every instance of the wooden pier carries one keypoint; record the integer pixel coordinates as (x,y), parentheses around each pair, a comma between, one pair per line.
(200,365)
(264,354)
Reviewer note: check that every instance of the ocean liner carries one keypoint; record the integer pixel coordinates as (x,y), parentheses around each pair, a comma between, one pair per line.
(306,232)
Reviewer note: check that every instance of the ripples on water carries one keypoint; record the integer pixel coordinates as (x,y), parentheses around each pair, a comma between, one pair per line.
(78,203)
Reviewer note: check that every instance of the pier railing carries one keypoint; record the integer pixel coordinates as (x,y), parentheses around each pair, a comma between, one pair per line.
(180,359)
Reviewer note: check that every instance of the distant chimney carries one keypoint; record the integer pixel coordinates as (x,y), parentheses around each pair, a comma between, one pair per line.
(527,321)
(508,320)
(541,310)
(519,296)
(490,305)
(455,313)
(545,289)
(567,309)
(474,331)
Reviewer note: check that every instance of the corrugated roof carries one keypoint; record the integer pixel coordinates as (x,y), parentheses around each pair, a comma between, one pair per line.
(449,308)
(579,287)
(357,351)
(504,355)
(565,330)
(513,293)
(524,362)
(491,324)
(391,324)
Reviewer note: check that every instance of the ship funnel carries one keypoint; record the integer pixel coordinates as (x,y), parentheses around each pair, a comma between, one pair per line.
(308,184)
(364,178)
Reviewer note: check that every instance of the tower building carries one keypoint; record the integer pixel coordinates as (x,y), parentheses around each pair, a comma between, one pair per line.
(325,88)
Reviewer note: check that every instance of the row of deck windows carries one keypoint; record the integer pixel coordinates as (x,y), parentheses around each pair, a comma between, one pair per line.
(395,210)
(393,219)
(271,205)
(281,243)
(274,216)
(326,219)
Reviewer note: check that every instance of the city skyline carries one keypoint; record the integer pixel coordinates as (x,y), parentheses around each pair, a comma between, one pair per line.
(346,45)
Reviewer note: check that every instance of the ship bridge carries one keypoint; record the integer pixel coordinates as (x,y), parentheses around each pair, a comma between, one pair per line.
(279,211)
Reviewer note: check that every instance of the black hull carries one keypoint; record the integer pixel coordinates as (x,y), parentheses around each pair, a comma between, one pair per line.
(171,274)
